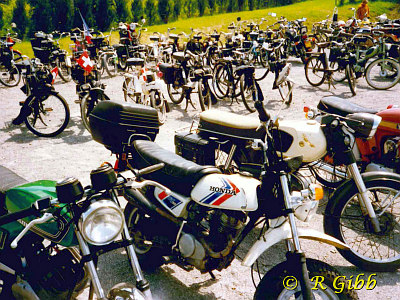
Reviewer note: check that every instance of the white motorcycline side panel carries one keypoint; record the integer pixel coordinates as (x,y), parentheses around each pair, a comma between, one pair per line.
(234,192)
(174,203)
(309,139)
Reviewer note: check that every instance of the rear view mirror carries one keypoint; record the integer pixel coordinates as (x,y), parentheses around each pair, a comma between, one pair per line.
(238,19)
(13,25)
(143,20)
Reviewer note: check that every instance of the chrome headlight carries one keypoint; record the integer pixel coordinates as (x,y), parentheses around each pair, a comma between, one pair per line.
(102,222)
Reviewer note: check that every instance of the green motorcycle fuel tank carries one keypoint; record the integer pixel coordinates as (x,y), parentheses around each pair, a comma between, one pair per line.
(21,197)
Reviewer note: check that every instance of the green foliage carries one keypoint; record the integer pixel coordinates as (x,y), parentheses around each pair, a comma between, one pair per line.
(123,11)
(202,6)
(1,17)
(177,9)
(151,12)
(190,7)
(211,5)
(41,19)
(63,14)
(20,18)
(105,14)
(86,9)
(137,10)
(232,6)
(164,10)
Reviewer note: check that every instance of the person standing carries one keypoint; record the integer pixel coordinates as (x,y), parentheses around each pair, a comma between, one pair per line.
(363,10)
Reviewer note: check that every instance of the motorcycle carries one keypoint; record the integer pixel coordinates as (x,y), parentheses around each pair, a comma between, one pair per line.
(379,153)
(365,203)
(44,223)
(297,43)
(192,215)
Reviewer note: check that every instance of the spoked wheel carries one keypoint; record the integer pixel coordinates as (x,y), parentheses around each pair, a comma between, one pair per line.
(122,63)
(220,81)
(49,116)
(272,285)
(247,90)
(9,76)
(383,73)
(315,71)
(157,101)
(329,175)
(286,92)
(351,79)
(204,94)
(128,88)
(345,220)
(110,62)
(64,71)
(149,255)
(175,93)
(339,73)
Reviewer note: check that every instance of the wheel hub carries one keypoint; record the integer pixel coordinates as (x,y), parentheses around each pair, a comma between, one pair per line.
(386,222)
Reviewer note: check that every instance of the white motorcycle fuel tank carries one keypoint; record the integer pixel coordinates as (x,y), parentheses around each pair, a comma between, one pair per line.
(233,192)
(300,137)
(174,203)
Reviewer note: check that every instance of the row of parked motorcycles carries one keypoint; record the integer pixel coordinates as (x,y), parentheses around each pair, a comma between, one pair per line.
(230,175)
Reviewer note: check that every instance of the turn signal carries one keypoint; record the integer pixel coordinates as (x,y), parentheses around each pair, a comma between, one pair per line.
(318,191)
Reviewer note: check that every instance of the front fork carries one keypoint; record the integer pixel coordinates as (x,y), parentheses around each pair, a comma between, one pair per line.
(363,198)
(295,256)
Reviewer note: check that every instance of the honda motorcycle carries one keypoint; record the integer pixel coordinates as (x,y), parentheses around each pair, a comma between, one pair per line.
(362,212)
(192,215)
(53,232)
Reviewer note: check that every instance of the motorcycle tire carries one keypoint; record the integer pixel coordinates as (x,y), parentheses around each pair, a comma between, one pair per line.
(246,93)
(44,108)
(157,101)
(388,69)
(220,81)
(329,179)
(351,79)
(272,286)
(85,111)
(9,77)
(315,71)
(204,94)
(175,93)
(345,221)
(339,74)
(64,71)
(122,63)
(149,257)
(110,64)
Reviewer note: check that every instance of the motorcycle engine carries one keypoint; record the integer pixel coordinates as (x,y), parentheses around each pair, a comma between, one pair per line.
(209,247)
(391,153)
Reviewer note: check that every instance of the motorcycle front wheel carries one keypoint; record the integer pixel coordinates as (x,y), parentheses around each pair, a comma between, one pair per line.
(351,79)
(87,105)
(344,219)
(273,284)
(49,116)
(9,76)
(150,257)
(110,63)
(63,70)
(157,101)
(204,94)
(383,73)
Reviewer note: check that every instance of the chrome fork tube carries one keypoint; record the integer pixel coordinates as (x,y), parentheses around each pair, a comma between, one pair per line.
(292,221)
(230,157)
(363,195)
(91,267)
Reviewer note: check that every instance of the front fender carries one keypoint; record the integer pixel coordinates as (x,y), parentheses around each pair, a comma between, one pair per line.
(275,235)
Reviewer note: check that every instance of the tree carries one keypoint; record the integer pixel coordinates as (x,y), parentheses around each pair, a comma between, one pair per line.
(1,17)
(41,19)
(202,6)
(211,5)
(20,18)
(123,12)
(164,10)
(251,4)
(241,4)
(151,12)
(190,7)
(86,9)
(105,13)
(177,8)
(137,10)
(232,6)
(63,14)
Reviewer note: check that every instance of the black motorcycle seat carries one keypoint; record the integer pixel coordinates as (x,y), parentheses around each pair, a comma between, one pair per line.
(230,124)
(173,36)
(178,174)
(342,107)
(9,179)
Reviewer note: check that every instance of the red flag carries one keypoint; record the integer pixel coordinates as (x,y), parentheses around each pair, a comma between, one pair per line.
(85,62)
(54,73)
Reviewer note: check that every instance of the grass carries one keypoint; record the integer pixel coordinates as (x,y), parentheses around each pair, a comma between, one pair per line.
(313,10)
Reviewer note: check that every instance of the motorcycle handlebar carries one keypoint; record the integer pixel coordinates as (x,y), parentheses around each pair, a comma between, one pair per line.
(18,215)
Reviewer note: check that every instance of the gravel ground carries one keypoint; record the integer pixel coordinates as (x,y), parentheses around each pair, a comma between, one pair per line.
(74,153)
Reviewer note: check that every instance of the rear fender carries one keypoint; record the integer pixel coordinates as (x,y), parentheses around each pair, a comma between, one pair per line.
(275,235)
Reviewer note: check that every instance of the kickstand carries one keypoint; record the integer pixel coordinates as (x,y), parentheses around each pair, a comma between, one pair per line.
(212,275)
